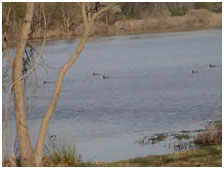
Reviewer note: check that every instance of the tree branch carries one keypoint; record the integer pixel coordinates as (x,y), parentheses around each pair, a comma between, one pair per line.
(84,17)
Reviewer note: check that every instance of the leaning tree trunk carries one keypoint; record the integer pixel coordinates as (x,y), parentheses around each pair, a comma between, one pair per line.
(57,90)
(51,108)
(25,147)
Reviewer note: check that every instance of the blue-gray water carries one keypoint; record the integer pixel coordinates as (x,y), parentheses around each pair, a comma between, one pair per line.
(151,89)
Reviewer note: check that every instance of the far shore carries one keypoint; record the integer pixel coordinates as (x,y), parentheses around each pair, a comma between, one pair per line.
(192,21)
(67,36)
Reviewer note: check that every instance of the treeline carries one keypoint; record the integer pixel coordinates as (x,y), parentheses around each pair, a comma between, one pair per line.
(64,18)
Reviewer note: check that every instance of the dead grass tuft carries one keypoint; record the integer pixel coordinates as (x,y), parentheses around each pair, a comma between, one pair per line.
(212,134)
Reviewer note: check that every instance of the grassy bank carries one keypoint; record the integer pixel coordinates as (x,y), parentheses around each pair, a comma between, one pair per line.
(207,157)
(204,157)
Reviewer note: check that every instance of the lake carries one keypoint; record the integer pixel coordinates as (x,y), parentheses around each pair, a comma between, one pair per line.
(150,89)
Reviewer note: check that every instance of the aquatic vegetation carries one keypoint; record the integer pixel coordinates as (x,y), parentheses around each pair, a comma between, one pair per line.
(187,139)
(182,140)
(182,136)
(211,135)
(153,139)
(58,150)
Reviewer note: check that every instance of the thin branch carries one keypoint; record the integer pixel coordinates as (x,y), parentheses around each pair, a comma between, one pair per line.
(85,20)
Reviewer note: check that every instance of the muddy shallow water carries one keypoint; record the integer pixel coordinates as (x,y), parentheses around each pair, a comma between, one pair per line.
(150,89)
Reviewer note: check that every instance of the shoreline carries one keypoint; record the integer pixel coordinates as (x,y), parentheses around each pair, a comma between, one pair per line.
(204,156)
(55,38)
(12,44)
(193,20)
(207,156)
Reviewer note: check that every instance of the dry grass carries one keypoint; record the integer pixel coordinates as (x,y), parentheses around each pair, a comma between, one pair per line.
(11,161)
(212,134)
(194,19)
(58,151)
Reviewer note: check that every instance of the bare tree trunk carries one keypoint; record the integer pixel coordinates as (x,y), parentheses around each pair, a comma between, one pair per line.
(57,90)
(51,108)
(25,147)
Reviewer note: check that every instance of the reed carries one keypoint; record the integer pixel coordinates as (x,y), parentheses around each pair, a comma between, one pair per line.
(59,151)
(212,135)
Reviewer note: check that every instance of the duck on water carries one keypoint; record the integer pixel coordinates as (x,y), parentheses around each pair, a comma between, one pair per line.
(210,65)
(105,77)
(46,82)
(96,74)
(195,71)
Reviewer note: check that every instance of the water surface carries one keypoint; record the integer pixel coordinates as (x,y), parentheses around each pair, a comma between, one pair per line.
(150,89)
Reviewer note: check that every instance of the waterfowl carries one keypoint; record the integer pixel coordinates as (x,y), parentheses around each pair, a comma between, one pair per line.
(194,71)
(45,82)
(210,65)
(53,137)
(95,74)
(105,77)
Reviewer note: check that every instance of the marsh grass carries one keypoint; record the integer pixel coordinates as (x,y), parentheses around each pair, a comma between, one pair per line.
(60,151)
(182,136)
(212,135)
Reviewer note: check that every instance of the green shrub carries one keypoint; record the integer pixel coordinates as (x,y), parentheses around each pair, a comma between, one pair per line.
(176,11)
(133,15)
(202,5)
(182,136)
